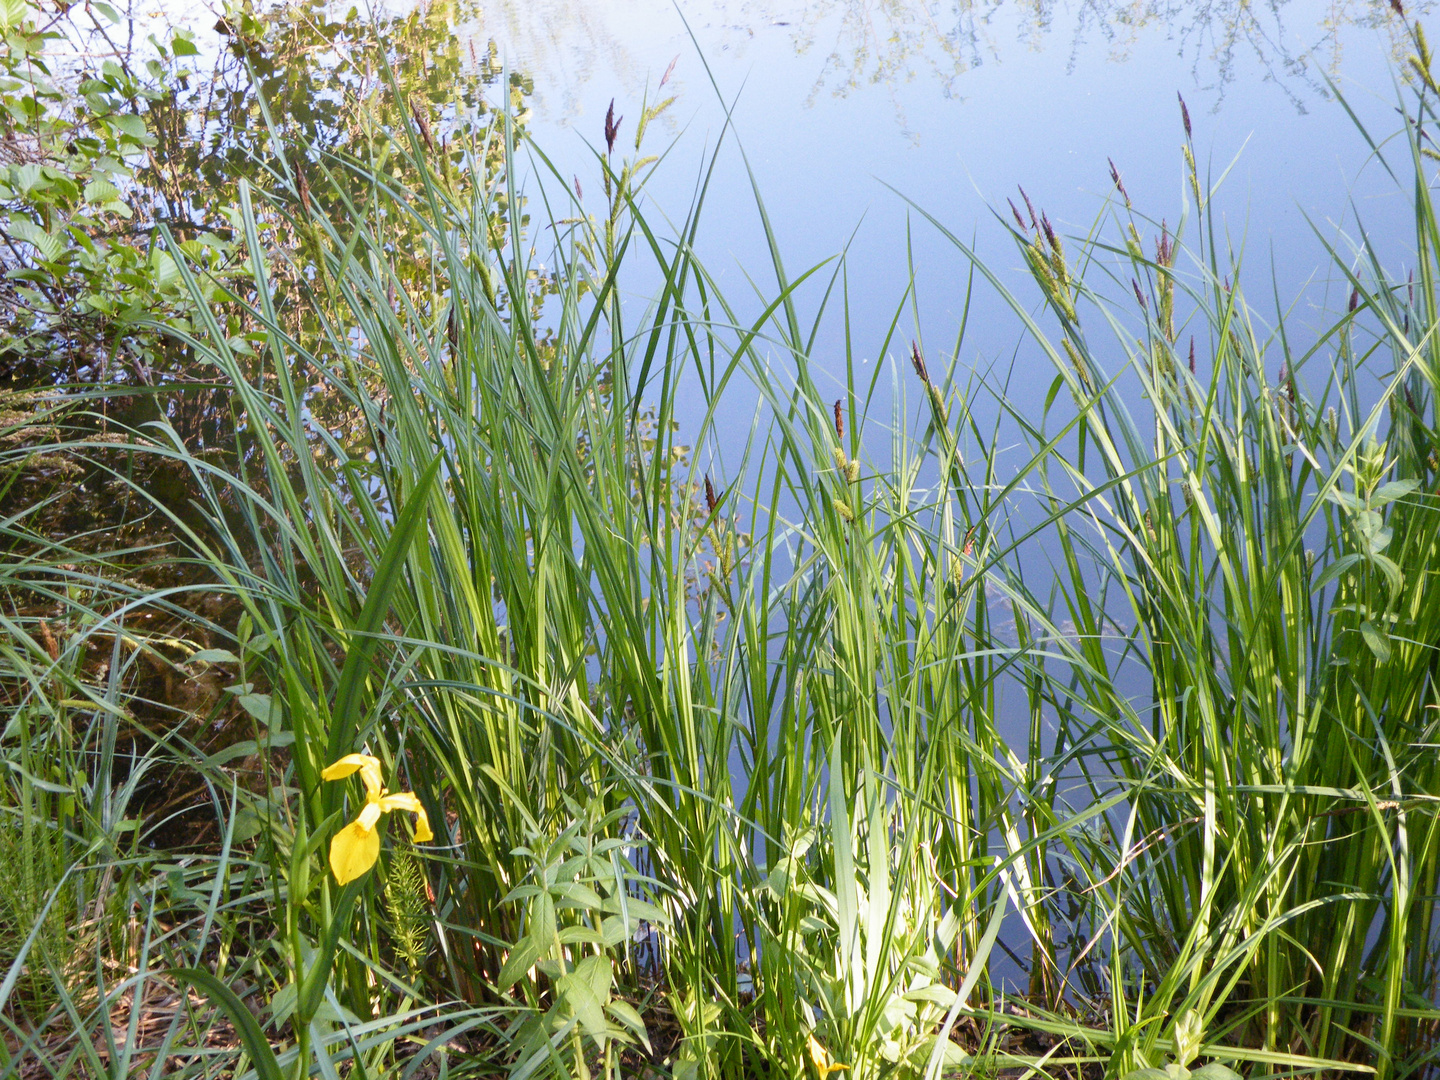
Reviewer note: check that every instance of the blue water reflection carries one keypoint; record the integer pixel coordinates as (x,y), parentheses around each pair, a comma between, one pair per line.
(956,104)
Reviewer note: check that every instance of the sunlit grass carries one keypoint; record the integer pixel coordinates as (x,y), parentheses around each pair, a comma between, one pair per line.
(715,765)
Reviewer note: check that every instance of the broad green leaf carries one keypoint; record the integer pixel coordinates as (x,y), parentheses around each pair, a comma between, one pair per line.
(13,13)
(261,707)
(638,910)
(213,656)
(132,126)
(167,274)
(624,1012)
(101,191)
(581,935)
(1346,499)
(1334,570)
(613,931)
(1214,1071)
(952,1054)
(47,244)
(1395,489)
(521,959)
(543,923)
(245,747)
(1377,640)
(579,895)
(577,995)
(935,994)
(596,970)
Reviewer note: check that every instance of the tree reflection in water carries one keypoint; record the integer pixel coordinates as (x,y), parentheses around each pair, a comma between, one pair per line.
(889,43)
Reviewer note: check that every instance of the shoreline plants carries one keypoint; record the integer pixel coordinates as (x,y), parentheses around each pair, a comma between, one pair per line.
(711,774)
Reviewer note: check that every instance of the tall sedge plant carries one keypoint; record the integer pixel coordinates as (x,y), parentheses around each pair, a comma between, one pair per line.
(1263,555)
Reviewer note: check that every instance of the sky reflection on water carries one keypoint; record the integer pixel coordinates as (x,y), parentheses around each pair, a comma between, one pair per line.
(847,46)
(844,106)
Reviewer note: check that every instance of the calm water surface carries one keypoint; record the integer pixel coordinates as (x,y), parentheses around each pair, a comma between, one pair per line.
(954,104)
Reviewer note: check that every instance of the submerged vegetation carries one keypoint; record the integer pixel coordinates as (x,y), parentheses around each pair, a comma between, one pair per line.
(704,775)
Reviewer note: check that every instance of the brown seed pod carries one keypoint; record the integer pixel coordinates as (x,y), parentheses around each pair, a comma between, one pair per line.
(47,639)
(422,125)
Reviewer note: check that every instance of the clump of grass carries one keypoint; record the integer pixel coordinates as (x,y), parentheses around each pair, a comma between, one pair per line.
(39,903)
(1264,555)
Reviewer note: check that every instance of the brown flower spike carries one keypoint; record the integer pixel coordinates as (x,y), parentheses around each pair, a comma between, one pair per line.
(612,126)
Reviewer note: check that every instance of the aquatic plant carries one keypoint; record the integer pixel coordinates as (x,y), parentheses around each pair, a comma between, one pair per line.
(713,742)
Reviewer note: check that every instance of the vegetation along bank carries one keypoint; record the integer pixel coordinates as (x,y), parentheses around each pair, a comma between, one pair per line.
(393,685)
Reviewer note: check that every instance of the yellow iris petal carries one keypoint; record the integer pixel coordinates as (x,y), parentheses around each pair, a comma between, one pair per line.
(817,1053)
(403,800)
(356,847)
(821,1057)
(369,815)
(367,766)
(342,768)
(370,777)
(353,851)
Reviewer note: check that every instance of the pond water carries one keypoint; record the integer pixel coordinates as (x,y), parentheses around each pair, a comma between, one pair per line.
(952,104)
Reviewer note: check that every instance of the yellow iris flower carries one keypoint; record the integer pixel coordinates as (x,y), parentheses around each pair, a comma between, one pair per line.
(356,847)
(821,1057)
